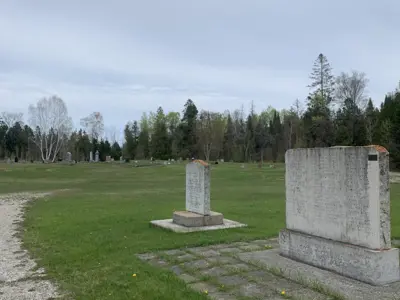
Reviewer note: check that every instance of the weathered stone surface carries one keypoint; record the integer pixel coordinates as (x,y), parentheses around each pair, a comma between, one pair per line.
(339,193)
(229,250)
(197,264)
(307,294)
(349,289)
(238,267)
(177,270)
(174,252)
(203,287)
(254,290)
(204,251)
(222,260)
(185,257)
(159,263)
(221,296)
(170,225)
(214,271)
(261,276)
(191,219)
(371,266)
(251,248)
(198,187)
(232,280)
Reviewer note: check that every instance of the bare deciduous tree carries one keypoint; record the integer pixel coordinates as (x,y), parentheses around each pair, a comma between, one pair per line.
(93,125)
(353,87)
(111,134)
(11,118)
(49,117)
(210,131)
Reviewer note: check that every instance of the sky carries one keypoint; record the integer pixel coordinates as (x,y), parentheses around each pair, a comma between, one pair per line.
(126,57)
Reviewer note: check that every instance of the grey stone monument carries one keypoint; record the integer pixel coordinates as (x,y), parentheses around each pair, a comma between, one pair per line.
(91,156)
(338,212)
(96,159)
(198,215)
(69,157)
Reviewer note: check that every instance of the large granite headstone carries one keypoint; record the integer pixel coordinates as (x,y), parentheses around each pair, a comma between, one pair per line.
(97,154)
(69,157)
(338,212)
(91,156)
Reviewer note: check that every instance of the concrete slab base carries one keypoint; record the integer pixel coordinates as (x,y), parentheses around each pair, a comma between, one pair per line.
(170,225)
(376,267)
(191,219)
(313,277)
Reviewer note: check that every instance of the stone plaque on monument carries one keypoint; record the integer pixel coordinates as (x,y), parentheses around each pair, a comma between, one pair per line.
(338,212)
(198,187)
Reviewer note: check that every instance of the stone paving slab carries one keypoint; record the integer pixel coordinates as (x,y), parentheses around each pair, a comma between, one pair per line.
(311,276)
(221,273)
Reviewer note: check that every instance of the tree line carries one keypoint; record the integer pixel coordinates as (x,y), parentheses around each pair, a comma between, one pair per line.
(337,111)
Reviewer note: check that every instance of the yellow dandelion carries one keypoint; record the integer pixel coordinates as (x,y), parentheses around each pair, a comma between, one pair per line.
(283,293)
(205,292)
(134,275)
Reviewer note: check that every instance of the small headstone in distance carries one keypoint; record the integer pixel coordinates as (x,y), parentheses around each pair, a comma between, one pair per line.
(16,159)
(216,163)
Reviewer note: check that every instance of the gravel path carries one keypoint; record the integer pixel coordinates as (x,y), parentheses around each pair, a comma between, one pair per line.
(19,278)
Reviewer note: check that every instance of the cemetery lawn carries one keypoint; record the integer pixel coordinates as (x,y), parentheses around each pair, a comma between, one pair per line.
(87,236)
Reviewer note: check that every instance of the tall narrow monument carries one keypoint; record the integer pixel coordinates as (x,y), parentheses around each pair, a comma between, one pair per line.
(198,212)
(198,215)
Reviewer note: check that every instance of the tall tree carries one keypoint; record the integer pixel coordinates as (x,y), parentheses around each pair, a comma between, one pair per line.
(143,148)
(10,118)
(50,118)
(352,87)
(229,140)
(160,148)
(188,130)
(94,125)
(323,82)
(371,123)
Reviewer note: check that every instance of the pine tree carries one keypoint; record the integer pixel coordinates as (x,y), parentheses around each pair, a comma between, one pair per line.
(323,82)
(187,130)
(160,147)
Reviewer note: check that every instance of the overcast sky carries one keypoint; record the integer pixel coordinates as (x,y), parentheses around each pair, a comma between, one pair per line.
(124,57)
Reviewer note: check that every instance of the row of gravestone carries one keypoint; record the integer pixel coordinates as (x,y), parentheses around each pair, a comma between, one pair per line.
(337,211)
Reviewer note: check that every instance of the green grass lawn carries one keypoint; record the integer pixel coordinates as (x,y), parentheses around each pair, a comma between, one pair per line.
(87,237)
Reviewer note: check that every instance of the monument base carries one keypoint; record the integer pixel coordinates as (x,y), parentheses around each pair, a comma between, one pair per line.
(337,285)
(191,219)
(170,225)
(376,267)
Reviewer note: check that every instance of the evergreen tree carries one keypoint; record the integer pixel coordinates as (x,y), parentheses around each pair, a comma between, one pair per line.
(187,128)
(160,148)
(323,82)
